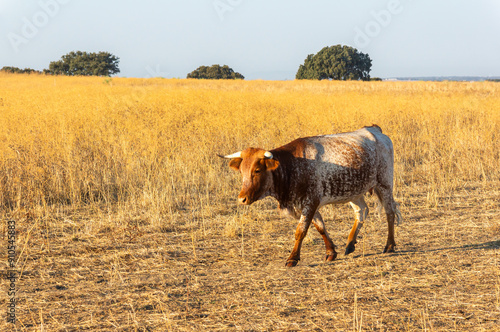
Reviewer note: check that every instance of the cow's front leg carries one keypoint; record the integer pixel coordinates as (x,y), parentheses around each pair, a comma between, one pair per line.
(330,247)
(300,234)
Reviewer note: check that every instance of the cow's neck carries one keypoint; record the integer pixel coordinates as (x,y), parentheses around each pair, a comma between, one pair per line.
(282,180)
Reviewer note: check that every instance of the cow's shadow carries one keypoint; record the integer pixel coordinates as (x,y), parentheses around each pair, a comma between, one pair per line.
(476,246)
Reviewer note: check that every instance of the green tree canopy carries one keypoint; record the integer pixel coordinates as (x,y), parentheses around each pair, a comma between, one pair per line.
(15,70)
(86,64)
(337,62)
(215,72)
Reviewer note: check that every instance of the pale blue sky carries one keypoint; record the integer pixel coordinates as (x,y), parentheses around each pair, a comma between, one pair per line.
(258,38)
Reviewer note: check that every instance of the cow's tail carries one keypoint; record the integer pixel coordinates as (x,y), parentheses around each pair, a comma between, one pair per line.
(399,217)
(395,205)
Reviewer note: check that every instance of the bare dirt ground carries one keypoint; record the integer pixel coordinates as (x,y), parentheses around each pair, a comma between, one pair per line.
(227,272)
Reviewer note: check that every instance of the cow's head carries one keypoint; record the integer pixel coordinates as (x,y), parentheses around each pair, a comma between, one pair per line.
(255,165)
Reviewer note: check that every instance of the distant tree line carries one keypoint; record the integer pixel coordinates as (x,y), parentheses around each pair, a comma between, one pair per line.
(15,70)
(338,62)
(76,63)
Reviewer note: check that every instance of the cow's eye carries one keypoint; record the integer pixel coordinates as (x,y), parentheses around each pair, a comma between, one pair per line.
(257,171)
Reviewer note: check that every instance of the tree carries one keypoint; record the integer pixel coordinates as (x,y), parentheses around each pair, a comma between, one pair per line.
(85,64)
(15,70)
(337,62)
(215,72)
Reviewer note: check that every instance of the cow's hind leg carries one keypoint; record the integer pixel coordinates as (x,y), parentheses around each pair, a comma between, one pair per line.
(330,247)
(384,194)
(361,211)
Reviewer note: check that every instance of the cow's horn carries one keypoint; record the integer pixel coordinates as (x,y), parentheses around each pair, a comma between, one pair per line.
(234,155)
(268,155)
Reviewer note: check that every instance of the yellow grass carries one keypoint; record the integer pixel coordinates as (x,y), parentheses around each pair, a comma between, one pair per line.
(121,163)
(153,143)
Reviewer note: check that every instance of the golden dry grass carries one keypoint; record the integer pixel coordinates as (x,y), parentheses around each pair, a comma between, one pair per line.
(127,220)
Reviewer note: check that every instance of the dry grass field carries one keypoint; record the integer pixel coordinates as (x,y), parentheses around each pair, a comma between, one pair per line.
(127,220)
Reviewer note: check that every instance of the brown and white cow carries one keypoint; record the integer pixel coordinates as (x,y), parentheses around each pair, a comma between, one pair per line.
(310,172)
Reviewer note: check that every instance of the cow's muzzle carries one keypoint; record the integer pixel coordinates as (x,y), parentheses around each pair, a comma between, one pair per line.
(244,200)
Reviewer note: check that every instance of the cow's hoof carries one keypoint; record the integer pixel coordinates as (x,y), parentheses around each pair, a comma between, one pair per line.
(291,263)
(389,248)
(350,248)
(330,257)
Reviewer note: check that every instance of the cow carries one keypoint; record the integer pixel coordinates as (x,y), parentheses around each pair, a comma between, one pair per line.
(311,172)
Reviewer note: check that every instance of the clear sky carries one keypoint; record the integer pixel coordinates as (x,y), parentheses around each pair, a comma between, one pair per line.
(262,39)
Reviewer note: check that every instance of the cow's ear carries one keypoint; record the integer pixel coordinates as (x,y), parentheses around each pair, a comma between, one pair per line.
(272,164)
(235,163)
